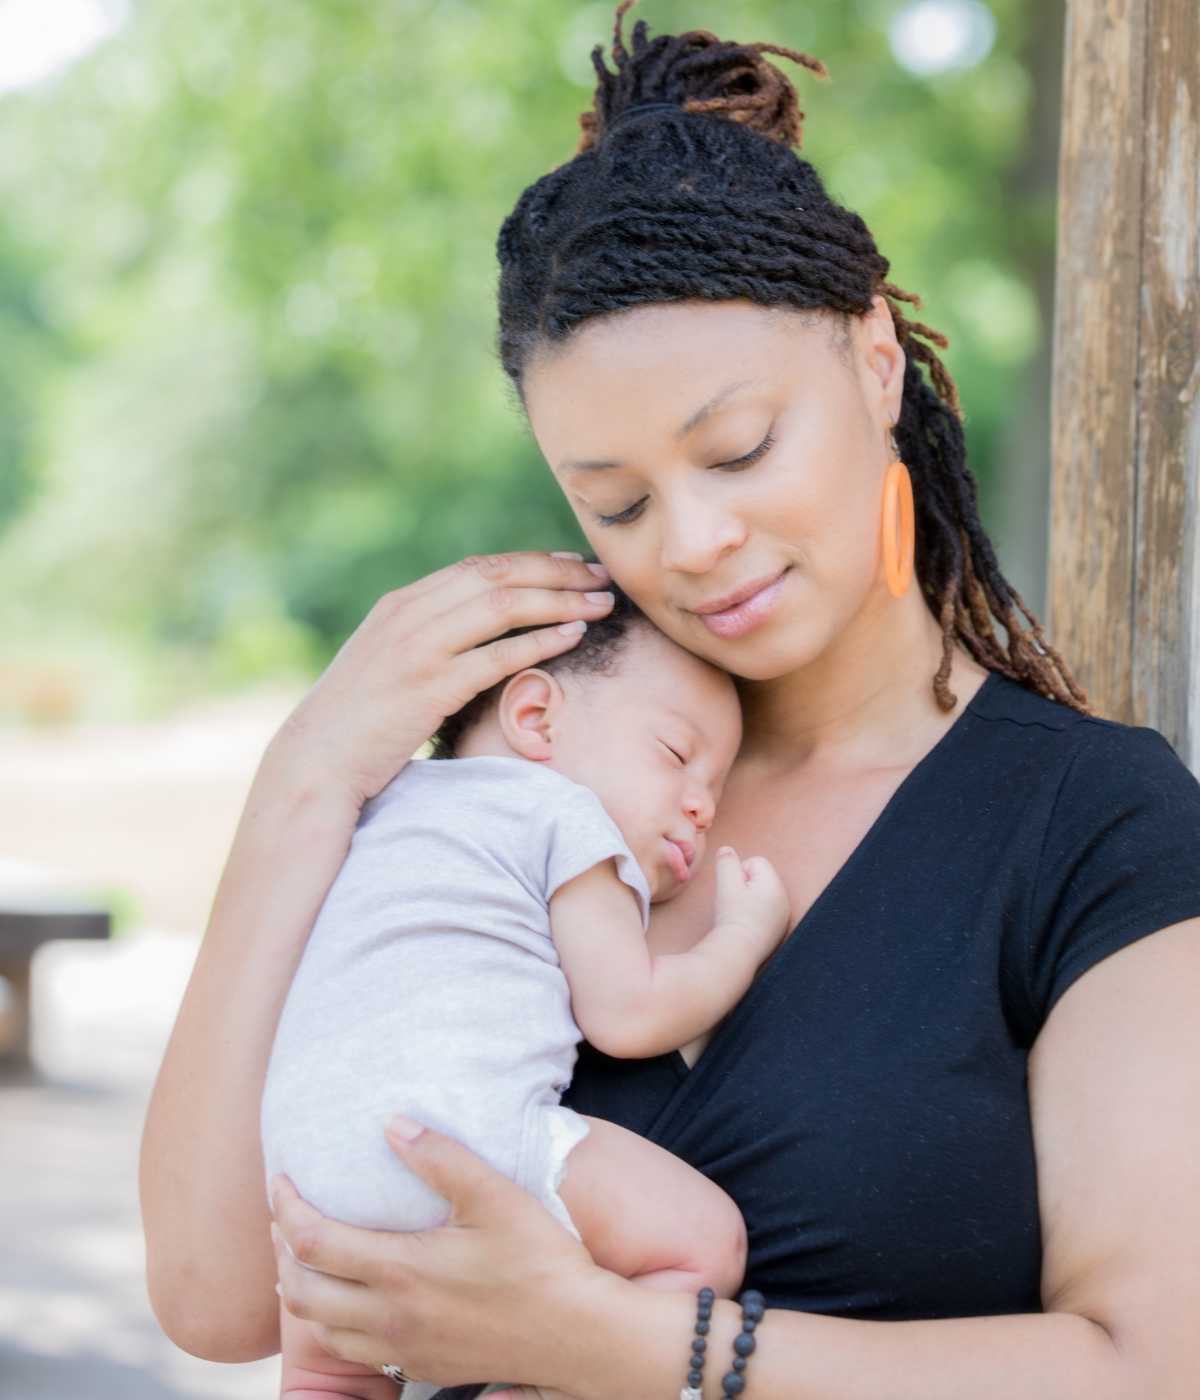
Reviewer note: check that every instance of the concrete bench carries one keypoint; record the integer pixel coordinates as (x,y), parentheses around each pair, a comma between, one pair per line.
(27,920)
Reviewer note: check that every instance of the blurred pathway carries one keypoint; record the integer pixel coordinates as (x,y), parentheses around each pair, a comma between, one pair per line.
(150,810)
(75,1320)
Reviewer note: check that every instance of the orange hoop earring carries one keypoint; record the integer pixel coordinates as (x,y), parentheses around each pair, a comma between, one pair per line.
(899,536)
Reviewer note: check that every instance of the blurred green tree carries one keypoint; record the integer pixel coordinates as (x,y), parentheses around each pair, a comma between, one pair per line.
(267,233)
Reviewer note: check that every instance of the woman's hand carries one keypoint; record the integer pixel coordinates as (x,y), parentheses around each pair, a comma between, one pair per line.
(492,1293)
(420,655)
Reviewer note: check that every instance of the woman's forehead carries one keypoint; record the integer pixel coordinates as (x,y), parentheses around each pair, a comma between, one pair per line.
(667,335)
(664,367)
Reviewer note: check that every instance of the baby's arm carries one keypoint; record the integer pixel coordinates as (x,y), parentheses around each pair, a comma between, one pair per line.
(633,1004)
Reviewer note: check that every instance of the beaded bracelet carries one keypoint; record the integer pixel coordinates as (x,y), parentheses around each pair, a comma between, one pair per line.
(704,1302)
(733,1382)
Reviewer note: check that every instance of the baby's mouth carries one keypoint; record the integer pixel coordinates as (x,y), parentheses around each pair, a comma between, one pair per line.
(679,857)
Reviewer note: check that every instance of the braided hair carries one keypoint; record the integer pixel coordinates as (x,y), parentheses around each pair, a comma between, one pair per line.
(704,198)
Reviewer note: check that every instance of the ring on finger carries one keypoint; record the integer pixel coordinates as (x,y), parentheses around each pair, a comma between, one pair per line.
(396,1373)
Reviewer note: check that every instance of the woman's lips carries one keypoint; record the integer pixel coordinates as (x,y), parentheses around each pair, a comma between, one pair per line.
(677,862)
(748,614)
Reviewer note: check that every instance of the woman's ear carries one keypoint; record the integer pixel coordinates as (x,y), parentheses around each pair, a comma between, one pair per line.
(529,706)
(883,358)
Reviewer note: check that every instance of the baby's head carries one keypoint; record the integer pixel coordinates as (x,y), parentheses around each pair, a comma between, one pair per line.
(648,726)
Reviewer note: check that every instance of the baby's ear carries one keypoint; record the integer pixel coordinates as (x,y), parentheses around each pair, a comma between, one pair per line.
(529,706)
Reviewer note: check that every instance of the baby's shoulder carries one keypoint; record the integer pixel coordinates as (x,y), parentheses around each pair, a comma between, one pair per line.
(486,785)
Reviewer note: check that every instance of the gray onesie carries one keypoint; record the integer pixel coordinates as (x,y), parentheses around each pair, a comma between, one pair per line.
(430,986)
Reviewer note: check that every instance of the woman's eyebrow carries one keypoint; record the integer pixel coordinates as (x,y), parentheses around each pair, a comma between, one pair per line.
(689,424)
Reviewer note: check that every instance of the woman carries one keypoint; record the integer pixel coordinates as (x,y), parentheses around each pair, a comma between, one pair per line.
(962,1098)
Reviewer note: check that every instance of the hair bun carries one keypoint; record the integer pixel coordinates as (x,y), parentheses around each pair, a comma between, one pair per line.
(696,73)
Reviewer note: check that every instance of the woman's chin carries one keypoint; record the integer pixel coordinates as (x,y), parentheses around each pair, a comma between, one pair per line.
(762,659)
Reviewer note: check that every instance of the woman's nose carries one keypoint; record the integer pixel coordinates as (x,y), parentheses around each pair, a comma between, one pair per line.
(697,533)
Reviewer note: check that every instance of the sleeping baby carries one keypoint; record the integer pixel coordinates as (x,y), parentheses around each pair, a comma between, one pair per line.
(491,913)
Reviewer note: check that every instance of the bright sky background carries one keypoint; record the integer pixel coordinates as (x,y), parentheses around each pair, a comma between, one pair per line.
(934,36)
(39,38)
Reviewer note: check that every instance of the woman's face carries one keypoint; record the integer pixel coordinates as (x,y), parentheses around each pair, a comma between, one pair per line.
(712,449)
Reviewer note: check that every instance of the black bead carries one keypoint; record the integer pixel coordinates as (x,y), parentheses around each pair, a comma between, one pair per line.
(732,1383)
(739,1363)
(694,1378)
(744,1344)
(753,1311)
(702,1328)
(700,1345)
(696,1360)
(753,1297)
(749,1324)
(704,1312)
(706,1295)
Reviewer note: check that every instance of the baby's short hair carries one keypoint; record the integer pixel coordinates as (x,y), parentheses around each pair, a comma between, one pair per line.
(595,653)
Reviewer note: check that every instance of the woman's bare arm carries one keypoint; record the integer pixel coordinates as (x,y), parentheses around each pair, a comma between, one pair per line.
(210,1265)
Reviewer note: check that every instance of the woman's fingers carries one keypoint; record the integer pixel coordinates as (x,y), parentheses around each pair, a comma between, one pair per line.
(399,674)
(424,630)
(306,1240)
(473,601)
(321,1299)
(486,665)
(486,599)
(491,614)
(475,1189)
(441,1302)
(460,584)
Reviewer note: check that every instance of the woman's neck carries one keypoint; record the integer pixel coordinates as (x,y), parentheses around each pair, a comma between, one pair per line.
(865,701)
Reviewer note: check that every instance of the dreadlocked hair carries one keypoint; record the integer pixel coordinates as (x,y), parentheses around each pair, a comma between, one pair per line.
(595,653)
(709,201)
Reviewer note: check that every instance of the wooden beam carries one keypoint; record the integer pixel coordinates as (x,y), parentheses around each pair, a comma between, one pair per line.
(1124,567)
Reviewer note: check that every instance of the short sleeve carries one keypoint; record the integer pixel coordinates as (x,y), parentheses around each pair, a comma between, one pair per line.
(1120,857)
(580,834)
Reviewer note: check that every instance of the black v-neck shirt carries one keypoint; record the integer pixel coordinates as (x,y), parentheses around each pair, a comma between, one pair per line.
(865,1103)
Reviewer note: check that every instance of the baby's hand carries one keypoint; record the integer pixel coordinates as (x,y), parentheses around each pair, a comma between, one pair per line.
(750,894)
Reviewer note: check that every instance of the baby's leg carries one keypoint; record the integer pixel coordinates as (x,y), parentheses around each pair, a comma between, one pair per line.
(311,1373)
(648,1216)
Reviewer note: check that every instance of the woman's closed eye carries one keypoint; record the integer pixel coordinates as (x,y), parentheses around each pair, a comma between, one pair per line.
(678,757)
(631,513)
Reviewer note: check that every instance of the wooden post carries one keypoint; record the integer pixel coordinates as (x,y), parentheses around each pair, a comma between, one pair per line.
(1124,566)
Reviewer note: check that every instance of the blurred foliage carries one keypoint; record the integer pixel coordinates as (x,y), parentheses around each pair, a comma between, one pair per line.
(247,277)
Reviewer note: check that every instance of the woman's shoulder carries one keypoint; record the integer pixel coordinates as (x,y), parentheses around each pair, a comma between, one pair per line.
(1113,838)
(1088,748)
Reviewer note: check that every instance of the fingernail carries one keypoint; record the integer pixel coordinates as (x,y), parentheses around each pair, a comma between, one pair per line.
(600,571)
(405,1128)
(599,597)
(564,554)
(279,1289)
(572,629)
